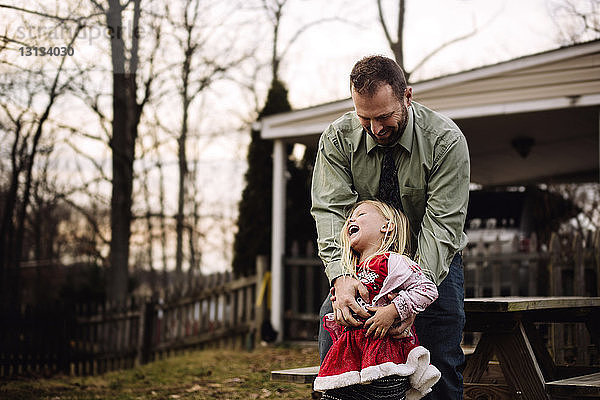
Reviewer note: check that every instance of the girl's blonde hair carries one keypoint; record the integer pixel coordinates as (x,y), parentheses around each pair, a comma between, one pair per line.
(395,239)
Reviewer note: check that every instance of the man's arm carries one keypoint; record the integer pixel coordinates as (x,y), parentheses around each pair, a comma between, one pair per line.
(332,195)
(441,234)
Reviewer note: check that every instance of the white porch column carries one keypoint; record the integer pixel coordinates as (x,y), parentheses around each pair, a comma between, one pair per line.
(278,237)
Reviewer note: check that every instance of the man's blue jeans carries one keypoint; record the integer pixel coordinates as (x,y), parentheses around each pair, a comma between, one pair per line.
(439,329)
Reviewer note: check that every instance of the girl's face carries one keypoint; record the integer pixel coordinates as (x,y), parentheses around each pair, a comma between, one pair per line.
(366,229)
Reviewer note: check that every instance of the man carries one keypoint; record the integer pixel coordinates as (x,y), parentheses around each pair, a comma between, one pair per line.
(399,151)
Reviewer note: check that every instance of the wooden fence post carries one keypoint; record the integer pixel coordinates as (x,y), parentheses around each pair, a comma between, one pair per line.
(555,273)
(479,251)
(579,290)
(596,250)
(533,267)
(578,266)
(496,250)
(554,266)
(293,273)
(309,287)
(515,266)
(259,303)
(145,324)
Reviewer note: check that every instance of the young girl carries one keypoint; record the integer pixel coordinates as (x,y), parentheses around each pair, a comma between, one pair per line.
(374,239)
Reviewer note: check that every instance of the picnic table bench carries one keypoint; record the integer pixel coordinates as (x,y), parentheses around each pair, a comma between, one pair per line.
(297,375)
(579,386)
(508,332)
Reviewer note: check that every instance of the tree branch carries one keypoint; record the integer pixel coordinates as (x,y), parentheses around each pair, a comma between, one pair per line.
(61,19)
(441,47)
(383,24)
(88,216)
(91,159)
(303,29)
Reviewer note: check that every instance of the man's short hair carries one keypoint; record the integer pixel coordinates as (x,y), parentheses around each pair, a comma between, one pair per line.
(369,73)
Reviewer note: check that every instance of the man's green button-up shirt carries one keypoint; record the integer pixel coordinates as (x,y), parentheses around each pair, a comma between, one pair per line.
(433,173)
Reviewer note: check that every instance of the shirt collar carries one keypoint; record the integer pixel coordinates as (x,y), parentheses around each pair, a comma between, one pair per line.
(405,140)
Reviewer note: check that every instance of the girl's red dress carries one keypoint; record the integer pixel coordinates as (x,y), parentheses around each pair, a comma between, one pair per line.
(354,358)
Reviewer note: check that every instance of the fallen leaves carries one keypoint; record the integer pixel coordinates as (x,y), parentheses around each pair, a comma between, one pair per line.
(235,380)
(194,388)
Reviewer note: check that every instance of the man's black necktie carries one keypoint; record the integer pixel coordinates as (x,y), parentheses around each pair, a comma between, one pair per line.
(389,190)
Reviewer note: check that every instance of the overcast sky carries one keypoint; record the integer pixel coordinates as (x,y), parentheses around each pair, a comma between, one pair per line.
(318,64)
(316,70)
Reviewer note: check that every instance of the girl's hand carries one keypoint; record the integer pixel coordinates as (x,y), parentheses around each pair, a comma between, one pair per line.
(380,323)
(402,329)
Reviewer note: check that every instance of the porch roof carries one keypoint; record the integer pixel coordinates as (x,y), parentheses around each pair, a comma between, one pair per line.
(550,100)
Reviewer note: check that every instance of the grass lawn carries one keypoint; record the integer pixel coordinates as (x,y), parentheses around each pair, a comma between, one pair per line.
(202,374)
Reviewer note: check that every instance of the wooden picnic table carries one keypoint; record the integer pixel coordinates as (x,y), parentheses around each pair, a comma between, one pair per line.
(509,332)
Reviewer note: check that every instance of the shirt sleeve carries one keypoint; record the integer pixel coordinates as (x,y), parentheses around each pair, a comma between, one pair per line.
(441,234)
(416,292)
(332,195)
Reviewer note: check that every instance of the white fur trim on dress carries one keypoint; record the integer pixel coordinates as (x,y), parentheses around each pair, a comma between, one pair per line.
(323,383)
(422,375)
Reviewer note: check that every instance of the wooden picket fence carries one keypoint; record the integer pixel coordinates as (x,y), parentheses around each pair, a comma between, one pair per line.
(86,339)
(568,266)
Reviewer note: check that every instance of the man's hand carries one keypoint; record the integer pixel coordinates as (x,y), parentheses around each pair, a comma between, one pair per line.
(344,302)
(402,330)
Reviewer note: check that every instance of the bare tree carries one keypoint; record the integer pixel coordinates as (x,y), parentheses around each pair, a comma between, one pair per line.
(126,117)
(26,117)
(155,214)
(194,231)
(274,10)
(149,217)
(204,61)
(128,101)
(254,221)
(163,225)
(396,42)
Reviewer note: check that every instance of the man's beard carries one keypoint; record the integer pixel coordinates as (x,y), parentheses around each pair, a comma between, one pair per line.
(398,130)
(404,122)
